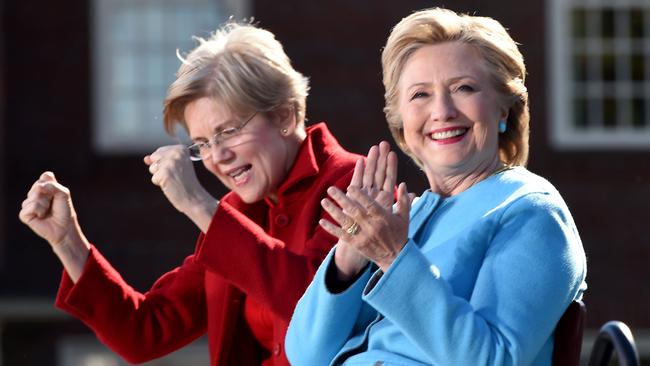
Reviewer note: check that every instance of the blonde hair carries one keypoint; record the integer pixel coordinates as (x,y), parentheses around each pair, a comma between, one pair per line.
(241,66)
(498,50)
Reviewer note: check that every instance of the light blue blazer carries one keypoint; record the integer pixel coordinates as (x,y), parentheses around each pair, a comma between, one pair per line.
(483,280)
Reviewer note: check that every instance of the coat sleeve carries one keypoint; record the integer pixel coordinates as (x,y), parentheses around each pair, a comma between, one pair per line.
(261,265)
(323,322)
(137,326)
(533,268)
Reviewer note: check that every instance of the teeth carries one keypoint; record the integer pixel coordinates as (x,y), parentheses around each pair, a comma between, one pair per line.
(240,176)
(237,174)
(448,134)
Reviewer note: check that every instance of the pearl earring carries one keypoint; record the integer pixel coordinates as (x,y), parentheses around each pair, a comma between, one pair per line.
(502,126)
(284,131)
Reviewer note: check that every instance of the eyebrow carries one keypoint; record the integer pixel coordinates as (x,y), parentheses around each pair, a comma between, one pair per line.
(450,81)
(222,126)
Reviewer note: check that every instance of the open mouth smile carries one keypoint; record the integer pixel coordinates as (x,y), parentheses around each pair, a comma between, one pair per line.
(448,136)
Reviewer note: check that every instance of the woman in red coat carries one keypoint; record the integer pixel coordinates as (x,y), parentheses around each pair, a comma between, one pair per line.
(243,105)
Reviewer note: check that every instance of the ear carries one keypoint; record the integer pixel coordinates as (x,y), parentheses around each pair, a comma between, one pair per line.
(504,108)
(504,112)
(284,117)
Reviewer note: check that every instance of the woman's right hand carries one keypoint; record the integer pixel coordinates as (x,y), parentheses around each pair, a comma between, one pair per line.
(172,170)
(376,177)
(49,212)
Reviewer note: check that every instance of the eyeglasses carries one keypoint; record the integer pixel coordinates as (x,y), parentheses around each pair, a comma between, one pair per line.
(201,150)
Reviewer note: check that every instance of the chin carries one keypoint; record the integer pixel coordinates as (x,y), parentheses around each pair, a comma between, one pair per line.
(249,197)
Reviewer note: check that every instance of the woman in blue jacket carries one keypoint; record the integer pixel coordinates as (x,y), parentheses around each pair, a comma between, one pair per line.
(480,268)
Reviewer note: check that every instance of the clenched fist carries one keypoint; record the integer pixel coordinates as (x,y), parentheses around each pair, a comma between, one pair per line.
(172,171)
(49,212)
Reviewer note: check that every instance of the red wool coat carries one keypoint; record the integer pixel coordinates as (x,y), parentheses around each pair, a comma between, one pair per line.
(267,251)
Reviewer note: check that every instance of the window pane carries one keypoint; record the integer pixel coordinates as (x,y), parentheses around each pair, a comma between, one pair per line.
(123,73)
(580,67)
(125,116)
(636,23)
(609,112)
(607,25)
(152,24)
(638,67)
(580,113)
(123,24)
(609,67)
(638,112)
(579,22)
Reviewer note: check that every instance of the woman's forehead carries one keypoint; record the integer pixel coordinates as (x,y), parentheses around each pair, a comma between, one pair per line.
(206,115)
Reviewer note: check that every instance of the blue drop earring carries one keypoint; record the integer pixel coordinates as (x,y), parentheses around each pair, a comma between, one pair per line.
(502,126)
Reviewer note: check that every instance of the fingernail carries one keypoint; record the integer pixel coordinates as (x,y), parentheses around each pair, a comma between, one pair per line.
(333,191)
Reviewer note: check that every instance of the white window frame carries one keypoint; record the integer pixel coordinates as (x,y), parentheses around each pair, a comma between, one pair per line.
(139,129)
(563,133)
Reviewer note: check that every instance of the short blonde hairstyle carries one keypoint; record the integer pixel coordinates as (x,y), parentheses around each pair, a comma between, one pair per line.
(498,50)
(241,66)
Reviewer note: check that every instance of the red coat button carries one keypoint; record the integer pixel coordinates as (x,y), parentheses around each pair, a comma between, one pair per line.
(276,349)
(282,220)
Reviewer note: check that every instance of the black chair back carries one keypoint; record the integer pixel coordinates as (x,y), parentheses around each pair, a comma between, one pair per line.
(568,335)
(614,336)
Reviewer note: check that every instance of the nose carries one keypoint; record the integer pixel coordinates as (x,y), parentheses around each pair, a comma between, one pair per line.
(219,153)
(443,108)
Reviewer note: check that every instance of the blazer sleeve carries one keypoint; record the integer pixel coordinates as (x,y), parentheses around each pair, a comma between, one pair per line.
(532,270)
(259,264)
(323,322)
(137,326)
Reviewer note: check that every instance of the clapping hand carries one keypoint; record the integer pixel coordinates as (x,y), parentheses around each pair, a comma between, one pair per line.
(368,229)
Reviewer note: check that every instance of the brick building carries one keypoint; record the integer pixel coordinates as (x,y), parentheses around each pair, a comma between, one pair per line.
(60,110)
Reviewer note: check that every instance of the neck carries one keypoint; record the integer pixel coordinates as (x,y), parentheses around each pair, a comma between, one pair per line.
(454,181)
(273,196)
(293,145)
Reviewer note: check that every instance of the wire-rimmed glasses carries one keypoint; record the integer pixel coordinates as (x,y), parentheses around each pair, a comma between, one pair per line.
(201,150)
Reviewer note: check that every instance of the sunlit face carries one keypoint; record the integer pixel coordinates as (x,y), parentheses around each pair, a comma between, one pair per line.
(254,163)
(450,110)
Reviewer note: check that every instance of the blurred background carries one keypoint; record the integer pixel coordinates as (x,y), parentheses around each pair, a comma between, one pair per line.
(81,85)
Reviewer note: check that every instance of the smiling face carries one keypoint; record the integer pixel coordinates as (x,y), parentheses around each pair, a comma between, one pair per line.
(254,163)
(450,110)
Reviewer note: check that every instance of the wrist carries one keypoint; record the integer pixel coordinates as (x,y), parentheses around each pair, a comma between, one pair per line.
(201,212)
(73,243)
(348,262)
(73,252)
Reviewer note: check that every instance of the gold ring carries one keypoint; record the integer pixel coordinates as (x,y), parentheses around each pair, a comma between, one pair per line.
(353,229)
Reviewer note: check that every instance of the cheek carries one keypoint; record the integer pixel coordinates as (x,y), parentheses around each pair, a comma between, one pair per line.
(269,159)
(412,125)
(212,169)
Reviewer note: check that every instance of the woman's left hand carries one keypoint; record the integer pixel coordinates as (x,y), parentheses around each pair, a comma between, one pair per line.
(381,233)
(172,171)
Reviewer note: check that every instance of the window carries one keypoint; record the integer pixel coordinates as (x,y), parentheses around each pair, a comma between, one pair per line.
(600,73)
(134,57)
